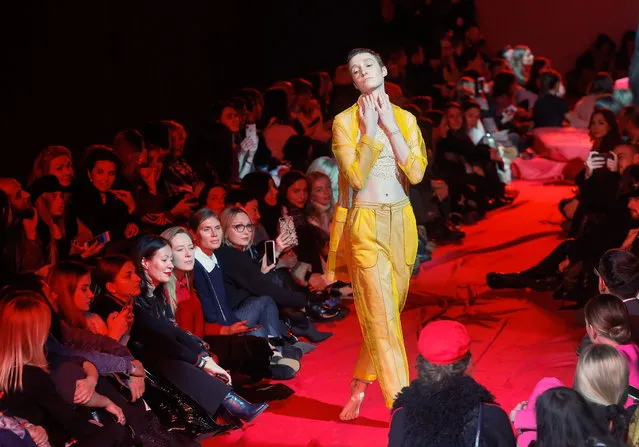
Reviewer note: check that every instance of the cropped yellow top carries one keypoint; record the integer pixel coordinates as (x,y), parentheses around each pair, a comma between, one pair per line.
(355,159)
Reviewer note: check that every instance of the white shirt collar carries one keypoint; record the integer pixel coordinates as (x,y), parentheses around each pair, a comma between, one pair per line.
(208,262)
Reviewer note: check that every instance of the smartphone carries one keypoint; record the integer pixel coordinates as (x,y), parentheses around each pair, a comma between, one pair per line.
(511,108)
(269,248)
(288,226)
(99,239)
(481,85)
(251,131)
(633,393)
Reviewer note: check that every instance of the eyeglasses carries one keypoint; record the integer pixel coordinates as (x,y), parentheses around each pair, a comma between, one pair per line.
(241,227)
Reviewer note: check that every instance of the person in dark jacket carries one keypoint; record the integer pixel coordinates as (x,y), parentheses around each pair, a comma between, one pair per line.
(180,357)
(444,407)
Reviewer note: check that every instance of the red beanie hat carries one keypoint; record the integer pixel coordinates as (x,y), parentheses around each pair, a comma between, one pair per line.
(443,342)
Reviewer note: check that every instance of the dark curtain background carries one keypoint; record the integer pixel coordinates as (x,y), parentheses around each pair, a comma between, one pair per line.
(75,72)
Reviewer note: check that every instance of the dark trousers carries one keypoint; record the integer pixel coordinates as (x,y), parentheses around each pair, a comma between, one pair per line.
(207,391)
(550,264)
(243,354)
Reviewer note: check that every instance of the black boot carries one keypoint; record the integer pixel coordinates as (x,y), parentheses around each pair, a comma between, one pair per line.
(156,435)
(242,409)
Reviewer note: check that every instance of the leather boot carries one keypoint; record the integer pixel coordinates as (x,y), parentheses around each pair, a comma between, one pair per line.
(242,409)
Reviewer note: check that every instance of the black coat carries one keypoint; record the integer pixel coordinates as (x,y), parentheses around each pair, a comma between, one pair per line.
(446,415)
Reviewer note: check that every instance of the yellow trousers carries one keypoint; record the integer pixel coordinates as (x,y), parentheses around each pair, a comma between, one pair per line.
(382,240)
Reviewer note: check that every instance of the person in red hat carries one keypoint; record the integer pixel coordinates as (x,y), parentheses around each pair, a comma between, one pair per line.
(445,407)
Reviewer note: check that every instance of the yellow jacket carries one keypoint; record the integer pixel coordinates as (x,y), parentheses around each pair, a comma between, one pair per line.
(355,160)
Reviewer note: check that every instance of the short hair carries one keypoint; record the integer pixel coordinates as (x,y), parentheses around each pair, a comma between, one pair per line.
(102,153)
(354,52)
(200,216)
(548,80)
(470,104)
(601,84)
(433,374)
(619,270)
(452,105)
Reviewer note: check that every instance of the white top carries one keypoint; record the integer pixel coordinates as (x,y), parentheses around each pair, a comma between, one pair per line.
(208,262)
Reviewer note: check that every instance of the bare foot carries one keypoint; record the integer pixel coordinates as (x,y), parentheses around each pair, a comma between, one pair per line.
(351,409)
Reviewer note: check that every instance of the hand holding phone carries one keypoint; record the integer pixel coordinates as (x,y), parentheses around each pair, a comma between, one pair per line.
(269,252)
(100,239)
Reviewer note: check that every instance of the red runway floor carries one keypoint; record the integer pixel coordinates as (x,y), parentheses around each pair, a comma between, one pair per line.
(518,336)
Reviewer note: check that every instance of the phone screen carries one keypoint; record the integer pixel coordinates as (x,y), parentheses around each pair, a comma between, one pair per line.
(270,252)
(251,131)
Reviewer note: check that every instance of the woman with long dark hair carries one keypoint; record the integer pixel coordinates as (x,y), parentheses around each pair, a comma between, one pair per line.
(565,419)
(180,357)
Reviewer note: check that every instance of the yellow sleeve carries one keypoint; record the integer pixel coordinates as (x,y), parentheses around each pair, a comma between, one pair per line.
(415,166)
(355,159)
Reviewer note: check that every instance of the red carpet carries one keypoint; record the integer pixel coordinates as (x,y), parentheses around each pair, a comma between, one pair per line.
(518,336)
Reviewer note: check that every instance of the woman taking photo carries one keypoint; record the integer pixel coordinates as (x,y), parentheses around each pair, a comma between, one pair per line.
(178,356)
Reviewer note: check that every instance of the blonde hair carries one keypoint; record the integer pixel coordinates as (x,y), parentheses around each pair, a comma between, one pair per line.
(26,320)
(42,163)
(174,128)
(602,375)
(515,58)
(171,286)
(226,218)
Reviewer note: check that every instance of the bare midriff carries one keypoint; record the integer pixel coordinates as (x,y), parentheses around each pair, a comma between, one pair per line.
(384,184)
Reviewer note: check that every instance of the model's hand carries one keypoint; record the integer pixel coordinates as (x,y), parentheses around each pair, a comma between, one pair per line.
(386,114)
(368,114)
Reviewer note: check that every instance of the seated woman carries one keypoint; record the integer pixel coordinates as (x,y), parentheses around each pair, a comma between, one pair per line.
(551,108)
(444,406)
(54,160)
(98,205)
(71,284)
(62,234)
(262,186)
(601,378)
(177,355)
(213,197)
(608,323)
(179,176)
(564,418)
(28,389)
(235,346)
(292,199)
(320,206)
(580,115)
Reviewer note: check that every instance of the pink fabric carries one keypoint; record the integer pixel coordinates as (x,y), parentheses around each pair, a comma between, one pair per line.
(537,169)
(525,419)
(562,143)
(631,354)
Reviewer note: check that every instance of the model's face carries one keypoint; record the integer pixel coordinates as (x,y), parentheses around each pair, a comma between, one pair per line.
(599,127)
(83,295)
(321,191)
(160,266)
(126,283)
(215,199)
(61,167)
(297,193)
(240,231)
(472,117)
(454,118)
(366,72)
(103,175)
(183,252)
(209,234)
(231,119)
